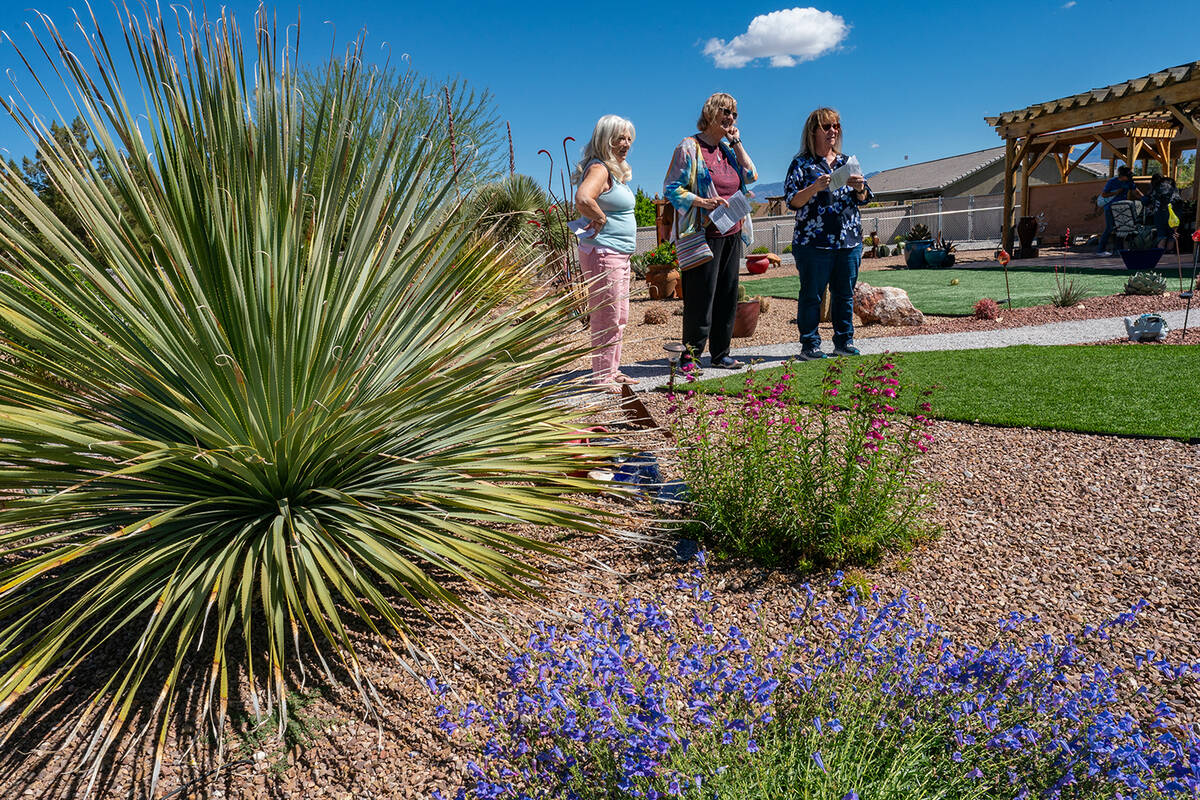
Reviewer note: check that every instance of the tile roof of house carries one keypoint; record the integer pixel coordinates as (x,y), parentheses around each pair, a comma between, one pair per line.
(1155,80)
(933,176)
(930,176)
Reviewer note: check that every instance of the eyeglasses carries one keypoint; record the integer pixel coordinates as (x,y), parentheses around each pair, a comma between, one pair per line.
(831,126)
(729,111)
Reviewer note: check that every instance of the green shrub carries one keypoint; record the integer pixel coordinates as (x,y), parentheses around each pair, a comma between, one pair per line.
(661,258)
(276,418)
(1068,291)
(919,233)
(762,250)
(644,215)
(803,486)
(1146,283)
(1144,238)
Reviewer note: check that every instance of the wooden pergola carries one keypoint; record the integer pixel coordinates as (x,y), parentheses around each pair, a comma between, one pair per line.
(1156,117)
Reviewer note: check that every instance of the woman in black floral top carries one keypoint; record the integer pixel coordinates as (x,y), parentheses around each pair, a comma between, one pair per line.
(827,243)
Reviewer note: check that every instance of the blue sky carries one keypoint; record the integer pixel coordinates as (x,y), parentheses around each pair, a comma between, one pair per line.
(910,80)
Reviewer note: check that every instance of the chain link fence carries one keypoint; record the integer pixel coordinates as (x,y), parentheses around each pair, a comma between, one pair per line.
(972,223)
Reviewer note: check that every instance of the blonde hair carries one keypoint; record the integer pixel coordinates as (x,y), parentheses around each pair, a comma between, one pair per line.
(608,129)
(822,116)
(712,106)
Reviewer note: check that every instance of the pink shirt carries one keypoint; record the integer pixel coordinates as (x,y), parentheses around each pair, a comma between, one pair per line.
(725,180)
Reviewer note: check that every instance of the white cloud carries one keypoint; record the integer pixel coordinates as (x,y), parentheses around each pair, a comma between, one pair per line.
(787,37)
(874,145)
(1069,4)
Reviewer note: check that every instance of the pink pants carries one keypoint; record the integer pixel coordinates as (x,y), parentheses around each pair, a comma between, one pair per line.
(607,274)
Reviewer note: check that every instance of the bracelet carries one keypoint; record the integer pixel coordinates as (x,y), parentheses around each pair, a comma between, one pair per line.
(733,142)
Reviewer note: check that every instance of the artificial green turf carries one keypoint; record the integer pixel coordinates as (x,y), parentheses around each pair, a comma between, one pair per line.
(1140,390)
(930,289)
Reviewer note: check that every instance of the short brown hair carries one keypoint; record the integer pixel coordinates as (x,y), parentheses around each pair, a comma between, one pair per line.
(822,116)
(712,106)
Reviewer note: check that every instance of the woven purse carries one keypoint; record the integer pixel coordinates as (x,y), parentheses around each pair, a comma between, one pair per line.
(692,250)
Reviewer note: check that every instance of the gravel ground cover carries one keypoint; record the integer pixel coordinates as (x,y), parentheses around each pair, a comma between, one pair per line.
(1072,527)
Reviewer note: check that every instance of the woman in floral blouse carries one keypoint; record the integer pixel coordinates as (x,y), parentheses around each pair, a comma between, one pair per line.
(707,168)
(827,243)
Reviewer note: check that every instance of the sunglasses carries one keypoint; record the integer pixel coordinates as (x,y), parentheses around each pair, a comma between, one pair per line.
(729,111)
(831,126)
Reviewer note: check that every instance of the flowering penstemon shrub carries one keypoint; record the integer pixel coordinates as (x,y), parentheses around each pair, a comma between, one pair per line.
(855,699)
(785,482)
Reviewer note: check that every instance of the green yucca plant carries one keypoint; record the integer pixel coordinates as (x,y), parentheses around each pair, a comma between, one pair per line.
(247,416)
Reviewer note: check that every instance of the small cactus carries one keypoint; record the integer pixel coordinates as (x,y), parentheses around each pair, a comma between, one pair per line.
(741,293)
(987,308)
(656,315)
(919,233)
(764,305)
(1148,283)
(884,251)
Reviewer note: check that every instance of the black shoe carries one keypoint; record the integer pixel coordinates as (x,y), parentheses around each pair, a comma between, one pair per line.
(811,354)
(725,362)
(847,349)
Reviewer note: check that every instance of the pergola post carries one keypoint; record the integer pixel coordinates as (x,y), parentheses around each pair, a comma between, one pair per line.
(1010,149)
(1025,169)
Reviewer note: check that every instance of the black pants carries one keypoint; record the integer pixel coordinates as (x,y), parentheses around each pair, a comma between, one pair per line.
(710,298)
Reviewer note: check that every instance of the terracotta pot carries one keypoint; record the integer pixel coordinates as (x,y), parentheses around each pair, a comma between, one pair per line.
(663,285)
(757,264)
(745,320)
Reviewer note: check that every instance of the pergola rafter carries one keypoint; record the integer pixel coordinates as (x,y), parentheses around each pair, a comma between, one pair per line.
(1157,116)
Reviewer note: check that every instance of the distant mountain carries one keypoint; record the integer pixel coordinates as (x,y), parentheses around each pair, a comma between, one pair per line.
(764,190)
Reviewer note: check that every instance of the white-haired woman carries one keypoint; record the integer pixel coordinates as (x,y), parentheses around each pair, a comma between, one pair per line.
(707,168)
(604,198)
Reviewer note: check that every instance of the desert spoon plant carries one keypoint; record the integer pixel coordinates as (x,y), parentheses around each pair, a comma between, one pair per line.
(245,417)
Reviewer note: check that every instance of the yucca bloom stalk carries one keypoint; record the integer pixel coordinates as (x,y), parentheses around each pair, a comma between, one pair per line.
(247,416)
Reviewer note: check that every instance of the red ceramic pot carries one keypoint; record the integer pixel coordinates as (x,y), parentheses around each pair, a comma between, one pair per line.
(757,264)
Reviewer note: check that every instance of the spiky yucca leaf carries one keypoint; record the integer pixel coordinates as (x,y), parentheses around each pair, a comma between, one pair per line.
(246,410)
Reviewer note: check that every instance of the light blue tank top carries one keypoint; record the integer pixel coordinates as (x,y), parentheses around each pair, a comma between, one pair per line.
(620,232)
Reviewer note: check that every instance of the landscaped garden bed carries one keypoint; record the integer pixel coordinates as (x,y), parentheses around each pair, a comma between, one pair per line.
(267,524)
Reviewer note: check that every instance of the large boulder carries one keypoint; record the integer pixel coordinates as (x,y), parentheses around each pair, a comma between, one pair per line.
(885,305)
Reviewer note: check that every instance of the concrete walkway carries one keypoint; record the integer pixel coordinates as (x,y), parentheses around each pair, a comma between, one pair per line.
(652,374)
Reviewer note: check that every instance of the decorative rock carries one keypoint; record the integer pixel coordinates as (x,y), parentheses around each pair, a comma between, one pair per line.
(885,305)
(774,259)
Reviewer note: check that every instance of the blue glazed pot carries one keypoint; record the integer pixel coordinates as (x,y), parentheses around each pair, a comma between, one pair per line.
(1141,260)
(935,257)
(914,252)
